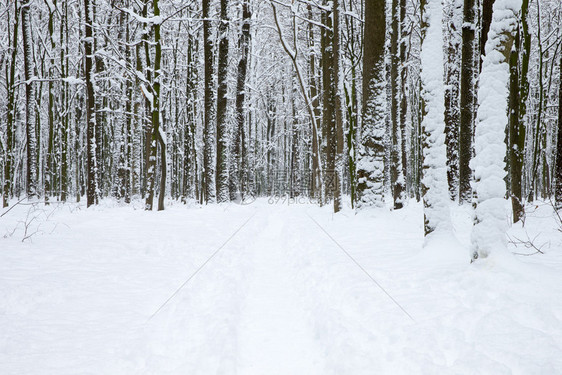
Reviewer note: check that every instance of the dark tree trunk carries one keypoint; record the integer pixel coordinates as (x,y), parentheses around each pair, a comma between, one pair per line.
(209,190)
(238,166)
(467,98)
(516,135)
(328,97)
(222,141)
(558,172)
(396,172)
(30,130)
(370,168)
(339,157)
(487,8)
(92,169)
(10,112)
(452,105)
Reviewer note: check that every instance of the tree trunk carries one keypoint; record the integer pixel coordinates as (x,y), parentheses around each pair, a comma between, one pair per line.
(452,103)
(328,99)
(434,181)
(467,98)
(558,172)
(30,131)
(92,169)
(222,131)
(339,156)
(10,114)
(489,228)
(209,188)
(370,165)
(238,166)
(396,171)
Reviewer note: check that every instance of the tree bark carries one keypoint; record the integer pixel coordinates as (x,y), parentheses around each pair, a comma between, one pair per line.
(238,165)
(467,98)
(92,169)
(10,114)
(339,156)
(222,141)
(371,153)
(30,131)
(209,188)
(396,171)
(558,173)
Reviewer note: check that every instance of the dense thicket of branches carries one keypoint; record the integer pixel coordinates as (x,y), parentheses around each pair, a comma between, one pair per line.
(227,100)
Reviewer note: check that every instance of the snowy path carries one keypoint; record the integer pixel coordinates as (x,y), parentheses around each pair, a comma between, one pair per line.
(275,332)
(280,297)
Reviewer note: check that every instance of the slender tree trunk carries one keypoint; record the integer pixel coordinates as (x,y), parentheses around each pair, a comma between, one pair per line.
(467,99)
(403,85)
(516,139)
(10,114)
(328,99)
(209,187)
(314,95)
(92,168)
(558,172)
(239,161)
(339,156)
(370,165)
(49,164)
(30,124)
(158,133)
(452,103)
(222,131)
(396,171)
(487,7)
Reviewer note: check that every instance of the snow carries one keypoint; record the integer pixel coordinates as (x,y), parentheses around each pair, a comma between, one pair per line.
(488,163)
(279,297)
(433,124)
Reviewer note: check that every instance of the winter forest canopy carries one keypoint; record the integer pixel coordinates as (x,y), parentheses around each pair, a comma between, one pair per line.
(367,103)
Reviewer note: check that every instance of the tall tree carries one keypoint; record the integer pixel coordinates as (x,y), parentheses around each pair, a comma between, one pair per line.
(156,134)
(396,173)
(222,124)
(434,181)
(558,170)
(452,103)
(339,156)
(30,125)
(92,168)
(467,99)
(209,188)
(371,151)
(489,228)
(519,92)
(10,110)
(238,163)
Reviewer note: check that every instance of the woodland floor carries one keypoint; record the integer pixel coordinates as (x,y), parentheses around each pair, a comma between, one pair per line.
(282,296)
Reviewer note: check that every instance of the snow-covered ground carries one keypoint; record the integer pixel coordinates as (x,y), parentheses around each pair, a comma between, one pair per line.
(284,295)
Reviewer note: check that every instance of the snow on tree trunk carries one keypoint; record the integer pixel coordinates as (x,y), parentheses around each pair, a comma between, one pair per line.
(558,173)
(434,180)
(371,150)
(488,164)
(209,158)
(222,124)
(29,101)
(92,168)
(467,99)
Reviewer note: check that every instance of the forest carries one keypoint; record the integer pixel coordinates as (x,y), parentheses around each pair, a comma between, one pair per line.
(281,187)
(363,101)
